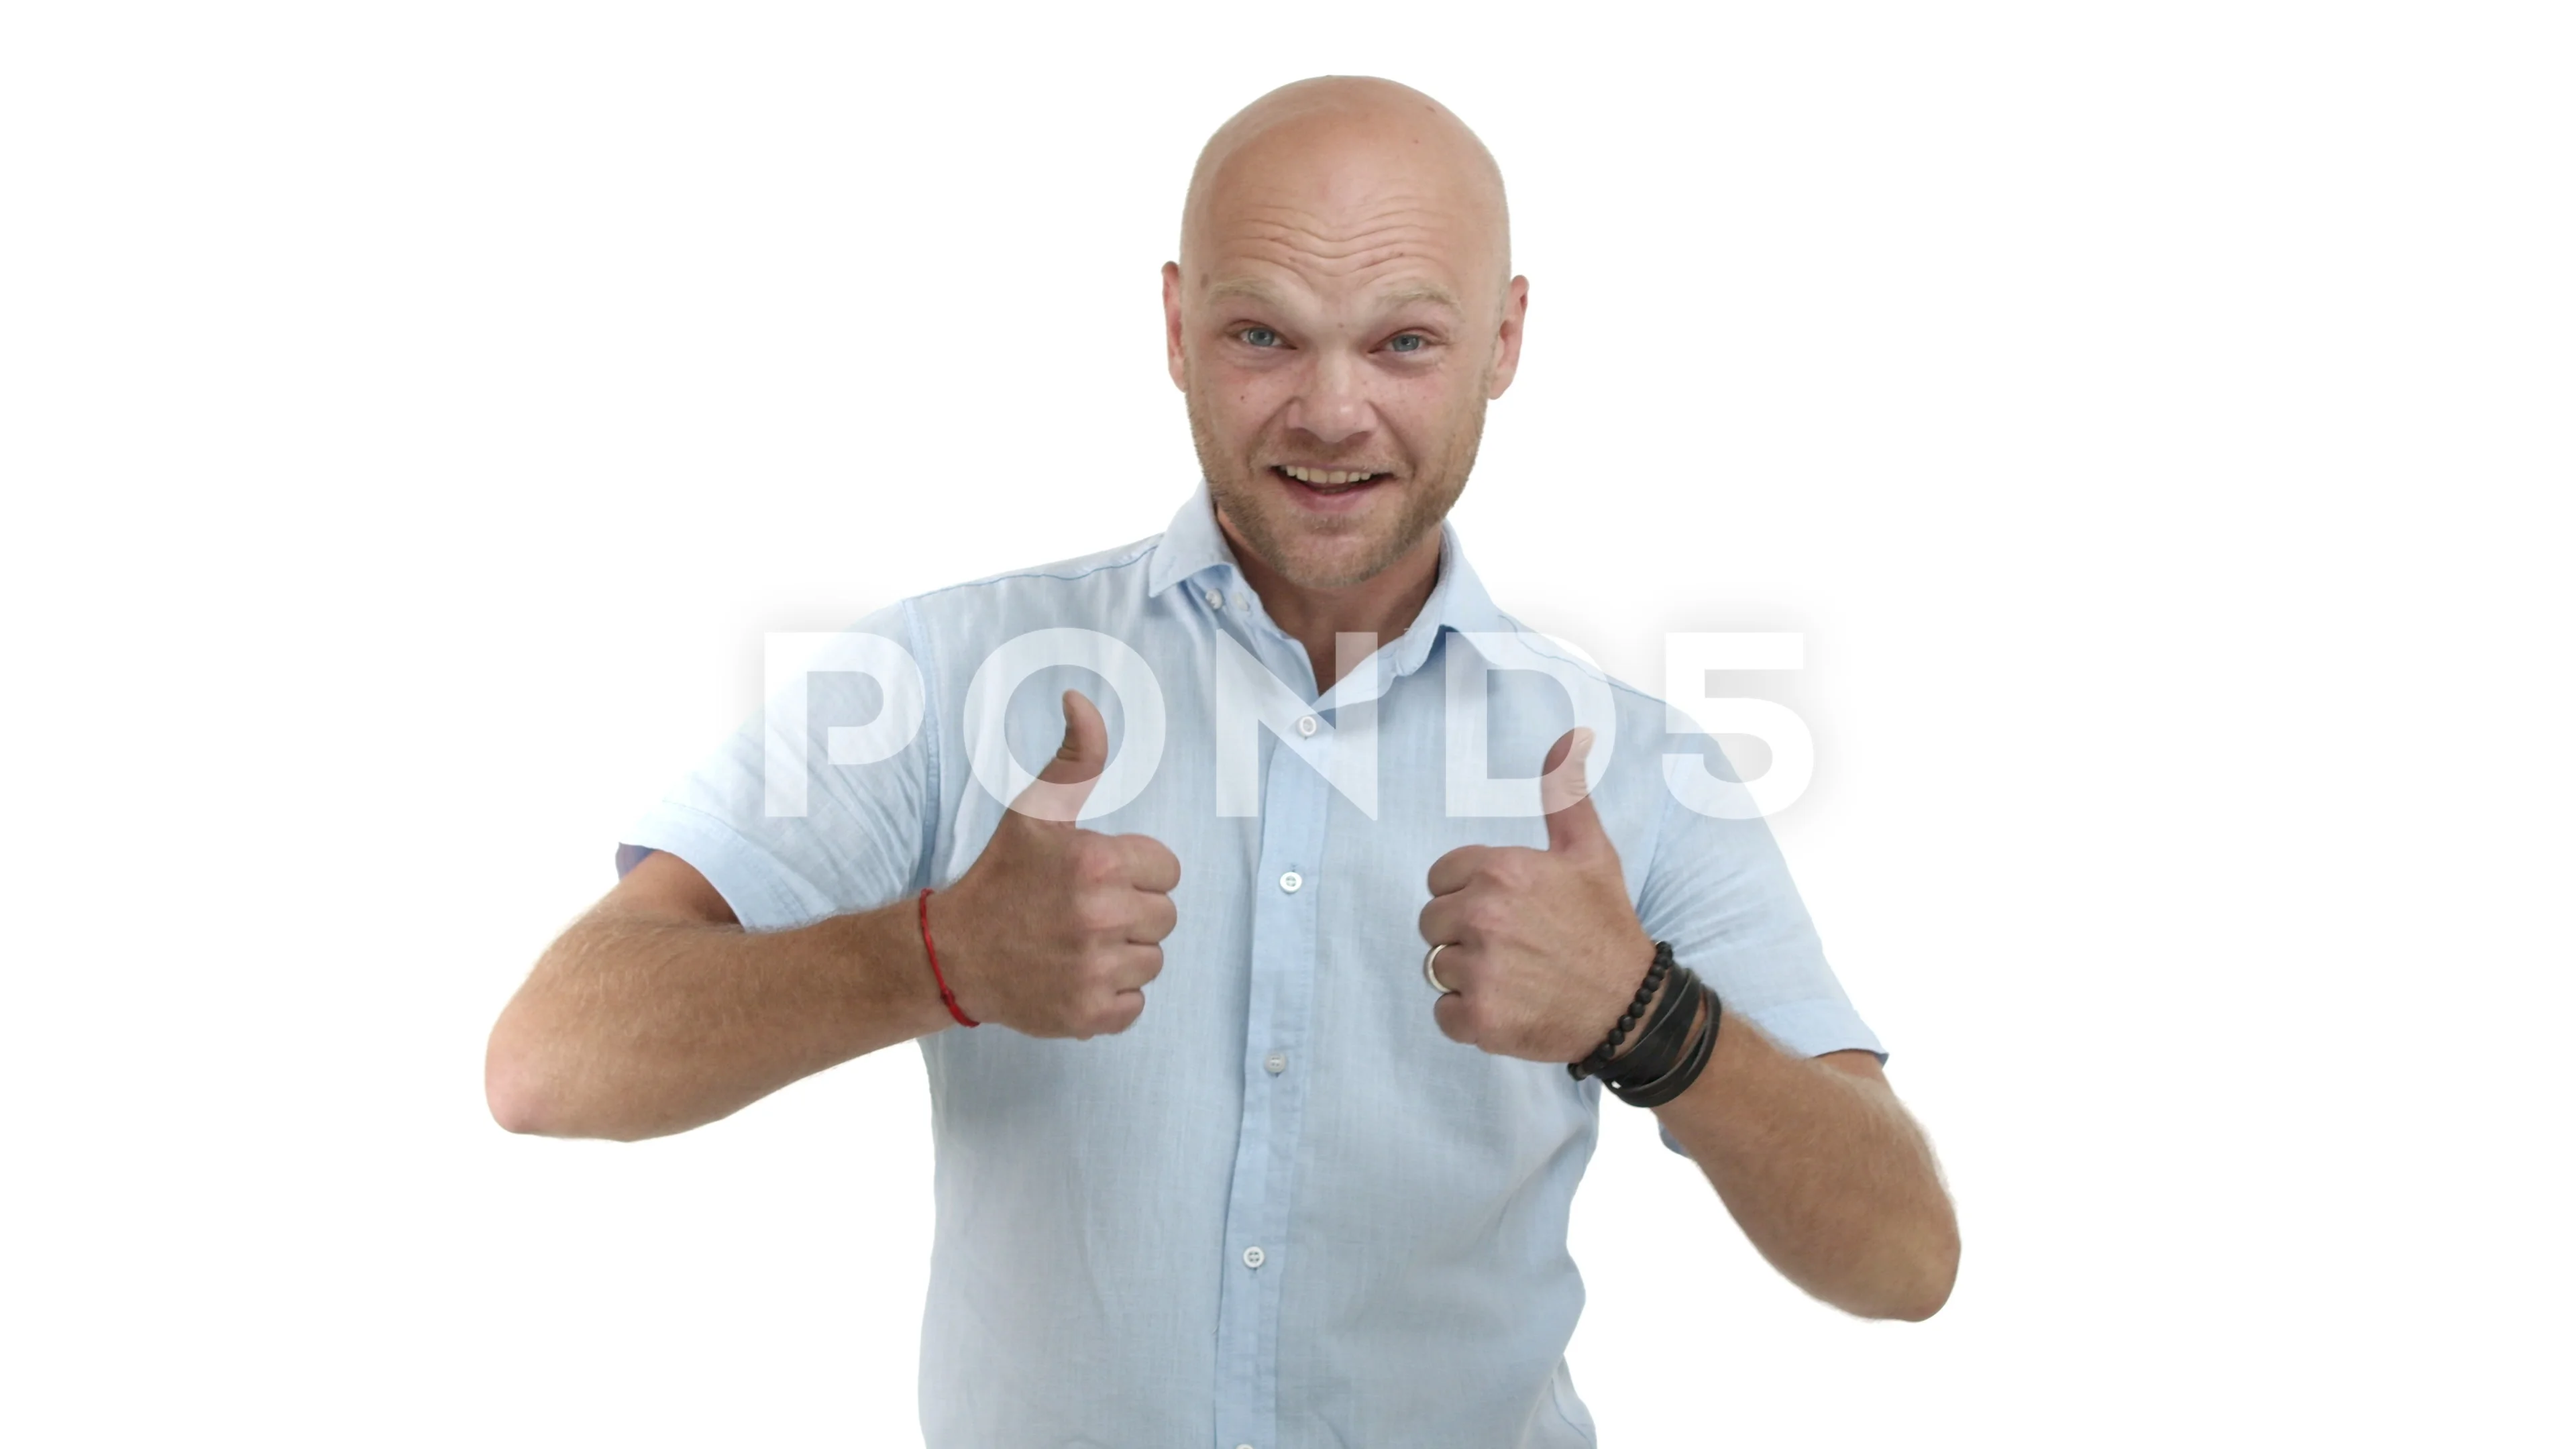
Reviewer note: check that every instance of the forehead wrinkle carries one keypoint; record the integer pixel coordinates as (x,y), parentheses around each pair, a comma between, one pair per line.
(1294,252)
(1388,294)
(1398,262)
(1292,244)
(1339,235)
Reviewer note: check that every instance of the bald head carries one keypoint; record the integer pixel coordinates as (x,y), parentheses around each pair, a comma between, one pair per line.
(1342,310)
(1346,151)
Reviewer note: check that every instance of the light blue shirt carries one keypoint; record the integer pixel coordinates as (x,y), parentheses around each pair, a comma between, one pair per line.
(1281,1210)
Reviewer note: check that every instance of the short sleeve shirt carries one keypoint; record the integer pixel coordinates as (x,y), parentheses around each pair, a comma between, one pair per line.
(1281,1210)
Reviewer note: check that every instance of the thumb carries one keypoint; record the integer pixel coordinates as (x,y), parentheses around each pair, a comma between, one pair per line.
(1061,788)
(1566,796)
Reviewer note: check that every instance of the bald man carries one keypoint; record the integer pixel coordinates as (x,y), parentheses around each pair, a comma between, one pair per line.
(1267,1024)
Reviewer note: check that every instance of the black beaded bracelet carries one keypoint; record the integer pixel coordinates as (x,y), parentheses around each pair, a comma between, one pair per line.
(1664,1088)
(1600,1058)
(1661,1043)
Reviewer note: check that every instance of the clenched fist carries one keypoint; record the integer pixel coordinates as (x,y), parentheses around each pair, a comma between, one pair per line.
(1543,949)
(1054,930)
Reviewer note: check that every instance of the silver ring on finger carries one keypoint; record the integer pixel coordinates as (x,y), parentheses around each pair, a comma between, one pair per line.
(1432,976)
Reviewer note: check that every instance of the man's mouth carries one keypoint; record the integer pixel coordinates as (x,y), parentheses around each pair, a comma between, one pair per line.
(1327,481)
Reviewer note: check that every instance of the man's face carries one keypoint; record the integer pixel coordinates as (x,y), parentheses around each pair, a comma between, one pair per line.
(1341,325)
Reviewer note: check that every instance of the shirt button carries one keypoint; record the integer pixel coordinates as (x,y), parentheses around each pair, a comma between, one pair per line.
(1215,599)
(1307,724)
(1252,1257)
(1289,881)
(1275,1063)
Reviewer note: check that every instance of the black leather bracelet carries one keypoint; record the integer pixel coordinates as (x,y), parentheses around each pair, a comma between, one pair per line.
(1672,1084)
(1666,1037)
(1655,972)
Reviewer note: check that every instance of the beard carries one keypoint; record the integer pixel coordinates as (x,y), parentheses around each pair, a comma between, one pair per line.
(1333,553)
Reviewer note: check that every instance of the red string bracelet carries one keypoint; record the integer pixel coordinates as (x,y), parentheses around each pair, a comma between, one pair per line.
(944,993)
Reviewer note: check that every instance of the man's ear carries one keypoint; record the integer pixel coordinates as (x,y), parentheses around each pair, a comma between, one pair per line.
(1507,343)
(1172,325)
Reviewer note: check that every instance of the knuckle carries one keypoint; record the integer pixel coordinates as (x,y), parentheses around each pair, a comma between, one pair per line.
(1153,858)
(1088,1017)
(1474,1015)
(1445,865)
(1094,860)
(1451,1017)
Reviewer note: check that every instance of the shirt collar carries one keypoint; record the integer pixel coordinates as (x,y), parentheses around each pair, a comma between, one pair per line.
(1191,546)
(1194,545)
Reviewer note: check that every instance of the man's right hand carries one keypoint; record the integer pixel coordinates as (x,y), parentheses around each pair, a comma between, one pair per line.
(1055,930)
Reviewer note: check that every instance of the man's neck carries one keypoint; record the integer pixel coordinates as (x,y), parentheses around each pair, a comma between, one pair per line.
(1384,604)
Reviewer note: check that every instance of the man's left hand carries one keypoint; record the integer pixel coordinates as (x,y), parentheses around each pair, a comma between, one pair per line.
(1543,949)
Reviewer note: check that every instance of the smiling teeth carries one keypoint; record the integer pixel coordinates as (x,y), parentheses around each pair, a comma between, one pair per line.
(1326,477)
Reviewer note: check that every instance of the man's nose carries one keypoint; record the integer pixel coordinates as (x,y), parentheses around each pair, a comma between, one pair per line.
(1334,407)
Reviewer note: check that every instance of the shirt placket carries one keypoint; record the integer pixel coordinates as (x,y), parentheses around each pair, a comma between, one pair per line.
(1275,1065)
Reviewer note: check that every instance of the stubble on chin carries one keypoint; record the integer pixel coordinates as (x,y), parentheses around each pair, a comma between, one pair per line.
(1325,559)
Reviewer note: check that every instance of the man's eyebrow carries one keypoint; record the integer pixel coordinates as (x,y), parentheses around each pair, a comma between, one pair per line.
(1253,290)
(1243,288)
(1412,292)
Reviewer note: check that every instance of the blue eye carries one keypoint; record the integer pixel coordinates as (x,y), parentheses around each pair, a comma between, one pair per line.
(1407,342)
(1259,337)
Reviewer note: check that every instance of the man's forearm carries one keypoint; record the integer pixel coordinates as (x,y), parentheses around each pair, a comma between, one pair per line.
(1825,1172)
(639,1026)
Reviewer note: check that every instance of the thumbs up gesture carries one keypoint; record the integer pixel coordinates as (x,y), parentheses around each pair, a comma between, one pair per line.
(1055,930)
(1542,950)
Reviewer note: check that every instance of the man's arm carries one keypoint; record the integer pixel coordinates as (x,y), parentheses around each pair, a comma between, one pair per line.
(1823,1170)
(1828,1176)
(657,1012)
(1818,1163)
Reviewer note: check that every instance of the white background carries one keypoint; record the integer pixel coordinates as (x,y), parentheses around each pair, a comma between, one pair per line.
(2157,418)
